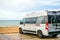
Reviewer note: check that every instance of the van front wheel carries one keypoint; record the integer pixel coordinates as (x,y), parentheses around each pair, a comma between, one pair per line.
(20,31)
(39,34)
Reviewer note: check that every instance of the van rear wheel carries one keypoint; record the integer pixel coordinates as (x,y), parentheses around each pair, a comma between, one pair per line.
(39,34)
(20,31)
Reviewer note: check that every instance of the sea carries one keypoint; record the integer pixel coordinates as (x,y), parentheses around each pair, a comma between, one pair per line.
(9,22)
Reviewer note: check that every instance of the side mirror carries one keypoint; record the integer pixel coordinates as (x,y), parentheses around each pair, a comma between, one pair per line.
(21,22)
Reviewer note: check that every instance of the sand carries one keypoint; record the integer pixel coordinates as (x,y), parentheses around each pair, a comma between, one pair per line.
(9,29)
(18,36)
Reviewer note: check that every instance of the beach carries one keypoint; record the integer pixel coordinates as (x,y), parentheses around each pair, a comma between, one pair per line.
(9,26)
(9,29)
(18,36)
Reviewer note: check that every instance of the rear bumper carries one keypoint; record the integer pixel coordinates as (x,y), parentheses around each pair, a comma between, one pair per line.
(55,32)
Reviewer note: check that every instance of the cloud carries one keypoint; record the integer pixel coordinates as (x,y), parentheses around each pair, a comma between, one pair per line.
(8,15)
(18,8)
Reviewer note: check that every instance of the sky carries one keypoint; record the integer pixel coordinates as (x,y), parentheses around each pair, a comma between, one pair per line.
(17,9)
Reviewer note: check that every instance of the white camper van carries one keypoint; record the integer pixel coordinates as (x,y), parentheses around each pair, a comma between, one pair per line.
(45,23)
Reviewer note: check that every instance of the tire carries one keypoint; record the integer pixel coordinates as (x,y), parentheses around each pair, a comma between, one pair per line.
(20,31)
(39,34)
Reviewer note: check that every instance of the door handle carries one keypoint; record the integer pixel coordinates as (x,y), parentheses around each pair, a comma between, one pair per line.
(24,24)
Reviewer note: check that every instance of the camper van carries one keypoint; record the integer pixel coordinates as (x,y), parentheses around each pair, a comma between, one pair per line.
(43,23)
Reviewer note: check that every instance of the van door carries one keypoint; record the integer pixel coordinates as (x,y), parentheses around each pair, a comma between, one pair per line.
(29,24)
(26,24)
(54,22)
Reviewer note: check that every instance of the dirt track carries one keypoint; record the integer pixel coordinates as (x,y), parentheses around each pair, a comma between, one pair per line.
(17,36)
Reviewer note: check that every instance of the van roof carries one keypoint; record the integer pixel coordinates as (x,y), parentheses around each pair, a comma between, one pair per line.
(54,10)
(36,14)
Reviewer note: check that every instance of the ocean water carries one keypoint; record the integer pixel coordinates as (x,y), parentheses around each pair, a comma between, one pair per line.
(9,22)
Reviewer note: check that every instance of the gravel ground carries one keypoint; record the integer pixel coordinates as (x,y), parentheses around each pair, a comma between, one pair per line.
(18,36)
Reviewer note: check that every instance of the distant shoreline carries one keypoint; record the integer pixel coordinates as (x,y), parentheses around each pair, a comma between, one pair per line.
(9,22)
(9,26)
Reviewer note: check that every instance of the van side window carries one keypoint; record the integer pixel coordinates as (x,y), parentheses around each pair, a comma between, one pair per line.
(42,20)
(31,20)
